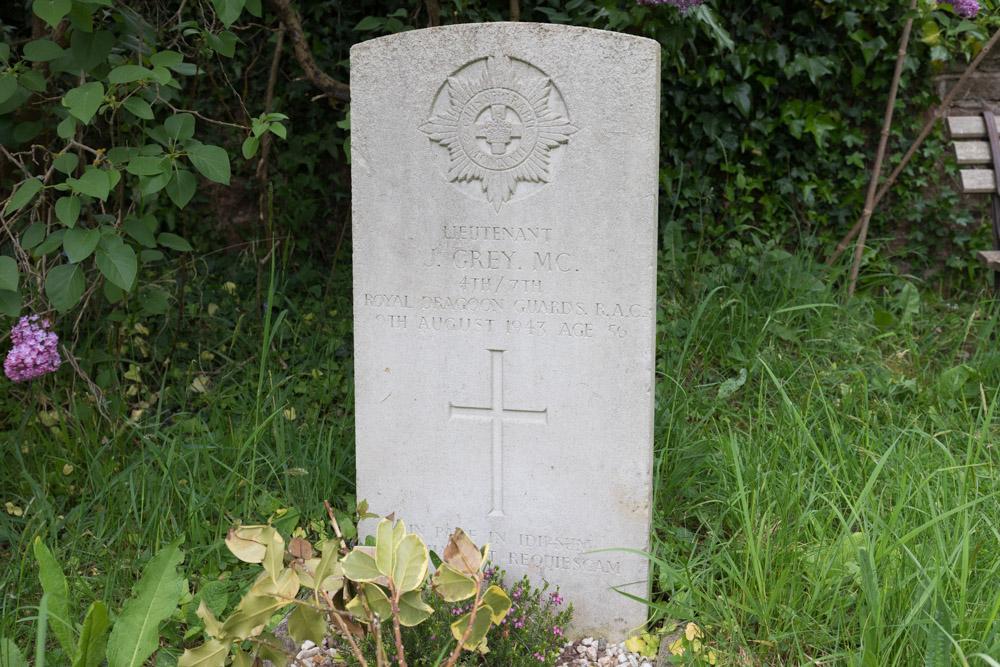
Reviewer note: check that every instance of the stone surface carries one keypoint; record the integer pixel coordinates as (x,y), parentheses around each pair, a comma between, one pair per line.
(504,229)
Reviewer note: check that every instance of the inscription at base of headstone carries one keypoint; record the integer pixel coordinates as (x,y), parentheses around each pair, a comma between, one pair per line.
(505,199)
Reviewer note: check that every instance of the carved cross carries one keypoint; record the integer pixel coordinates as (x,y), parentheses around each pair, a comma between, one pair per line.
(497,413)
(498,131)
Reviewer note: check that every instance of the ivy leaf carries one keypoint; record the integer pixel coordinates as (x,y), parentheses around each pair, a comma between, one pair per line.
(8,273)
(738,94)
(51,11)
(68,210)
(211,161)
(24,194)
(64,286)
(79,243)
(42,50)
(84,101)
(139,107)
(118,264)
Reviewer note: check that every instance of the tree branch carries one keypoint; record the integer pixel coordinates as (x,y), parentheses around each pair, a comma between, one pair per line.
(319,78)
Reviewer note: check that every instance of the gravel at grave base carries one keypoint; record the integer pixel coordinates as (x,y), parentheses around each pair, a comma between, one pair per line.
(587,652)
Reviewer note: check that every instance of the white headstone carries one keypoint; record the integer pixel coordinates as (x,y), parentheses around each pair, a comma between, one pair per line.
(505,200)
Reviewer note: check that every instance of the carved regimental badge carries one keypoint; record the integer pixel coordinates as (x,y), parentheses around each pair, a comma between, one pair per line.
(500,120)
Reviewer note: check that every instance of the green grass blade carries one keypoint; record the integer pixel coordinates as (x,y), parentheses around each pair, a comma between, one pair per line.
(55,586)
(135,635)
(93,636)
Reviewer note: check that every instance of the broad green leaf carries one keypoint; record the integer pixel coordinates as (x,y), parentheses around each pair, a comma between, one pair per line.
(264,600)
(10,302)
(210,654)
(307,623)
(24,194)
(79,243)
(328,573)
(228,10)
(33,235)
(180,126)
(739,96)
(91,49)
(54,584)
(118,264)
(166,59)
(66,163)
(461,553)
(181,187)
(213,628)
(224,43)
(383,547)
(8,273)
(51,11)
(268,650)
(145,166)
(94,182)
(41,50)
(412,609)
(250,146)
(139,107)
(33,80)
(10,655)
(360,566)
(278,129)
(4,51)
(247,543)
(52,242)
(149,185)
(93,636)
(26,131)
(274,554)
(211,161)
(241,659)
(8,86)
(68,210)
(136,632)
(128,74)
(84,101)
(141,232)
(377,600)
(480,626)
(66,127)
(452,585)
(498,602)
(409,570)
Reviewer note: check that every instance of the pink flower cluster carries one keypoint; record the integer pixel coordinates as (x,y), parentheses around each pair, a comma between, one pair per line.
(683,5)
(34,352)
(966,8)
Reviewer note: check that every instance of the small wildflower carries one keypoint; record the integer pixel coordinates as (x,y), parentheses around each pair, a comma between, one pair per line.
(556,630)
(538,657)
(965,8)
(35,350)
(555,598)
(685,5)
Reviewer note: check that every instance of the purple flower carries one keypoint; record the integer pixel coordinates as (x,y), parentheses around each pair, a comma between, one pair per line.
(966,8)
(685,5)
(35,350)
(555,598)
(556,630)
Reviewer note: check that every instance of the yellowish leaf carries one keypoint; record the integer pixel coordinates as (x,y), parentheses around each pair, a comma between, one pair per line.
(635,644)
(14,509)
(692,632)
(289,414)
(677,648)
(229,286)
(141,329)
(67,469)
(213,308)
(207,356)
(200,384)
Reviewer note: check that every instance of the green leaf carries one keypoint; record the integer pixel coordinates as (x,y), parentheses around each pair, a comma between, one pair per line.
(228,10)
(42,50)
(307,623)
(79,243)
(266,598)
(66,127)
(224,43)
(250,145)
(166,59)
(66,163)
(93,636)
(10,304)
(210,654)
(138,107)
(360,566)
(8,273)
(180,126)
(479,628)
(128,74)
(412,609)
(54,584)
(278,129)
(64,286)
(173,242)
(10,655)
(4,51)
(145,166)
(409,570)
(136,632)
(498,602)
(118,264)
(68,210)
(181,187)
(51,11)
(24,193)
(33,80)
(91,49)
(94,182)
(26,131)
(738,95)
(51,242)
(33,235)
(140,231)
(368,23)
(377,600)
(211,161)
(383,547)
(8,86)
(452,585)
(84,101)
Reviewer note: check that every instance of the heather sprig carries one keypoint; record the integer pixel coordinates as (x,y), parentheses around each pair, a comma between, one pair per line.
(35,351)
(965,8)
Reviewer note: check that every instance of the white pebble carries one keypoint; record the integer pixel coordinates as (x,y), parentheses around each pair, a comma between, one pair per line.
(592,652)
